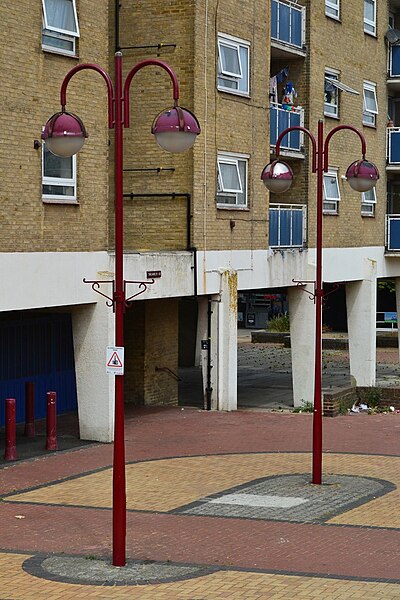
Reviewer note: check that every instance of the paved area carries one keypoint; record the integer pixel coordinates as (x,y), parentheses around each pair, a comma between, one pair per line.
(219,505)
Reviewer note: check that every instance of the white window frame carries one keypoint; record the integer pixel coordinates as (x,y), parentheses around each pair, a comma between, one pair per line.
(230,158)
(241,79)
(370,26)
(59,182)
(330,205)
(369,114)
(332,9)
(368,204)
(331,76)
(58,33)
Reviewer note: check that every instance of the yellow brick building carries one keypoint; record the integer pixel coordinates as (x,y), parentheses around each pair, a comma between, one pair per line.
(202,219)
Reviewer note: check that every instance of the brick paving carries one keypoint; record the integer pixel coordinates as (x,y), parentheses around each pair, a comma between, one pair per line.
(59,506)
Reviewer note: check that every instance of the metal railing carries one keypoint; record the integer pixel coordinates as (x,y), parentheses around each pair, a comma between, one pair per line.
(392,241)
(393,145)
(288,23)
(287,225)
(281,119)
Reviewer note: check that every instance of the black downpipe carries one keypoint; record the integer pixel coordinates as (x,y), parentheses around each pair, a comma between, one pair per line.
(209,365)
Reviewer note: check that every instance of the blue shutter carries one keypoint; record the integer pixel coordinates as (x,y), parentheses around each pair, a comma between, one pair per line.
(273,226)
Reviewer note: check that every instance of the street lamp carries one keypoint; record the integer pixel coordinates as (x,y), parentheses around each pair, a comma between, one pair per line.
(175,130)
(277,176)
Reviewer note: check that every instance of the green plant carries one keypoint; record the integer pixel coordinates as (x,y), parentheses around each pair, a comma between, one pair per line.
(374,398)
(279,324)
(306,406)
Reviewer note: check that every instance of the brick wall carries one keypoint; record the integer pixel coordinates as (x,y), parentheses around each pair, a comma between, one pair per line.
(151,339)
(30,84)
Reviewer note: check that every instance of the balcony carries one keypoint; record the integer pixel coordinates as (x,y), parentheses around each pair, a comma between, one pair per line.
(392,233)
(394,62)
(393,148)
(281,119)
(287,226)
(287,29)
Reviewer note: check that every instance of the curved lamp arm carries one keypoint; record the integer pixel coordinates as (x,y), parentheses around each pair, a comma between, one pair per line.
(307,132)
(107,79)
(145,63)
(332,132)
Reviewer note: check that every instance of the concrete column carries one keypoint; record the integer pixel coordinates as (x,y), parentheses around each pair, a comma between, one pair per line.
(226,334)
(302,340)
(397,284)
(93,327)
(361,322)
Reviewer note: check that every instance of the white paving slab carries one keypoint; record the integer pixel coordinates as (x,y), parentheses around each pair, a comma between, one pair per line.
(257,500)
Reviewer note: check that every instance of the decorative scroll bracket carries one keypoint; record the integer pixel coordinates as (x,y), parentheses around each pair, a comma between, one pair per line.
(111,300)
(312,295)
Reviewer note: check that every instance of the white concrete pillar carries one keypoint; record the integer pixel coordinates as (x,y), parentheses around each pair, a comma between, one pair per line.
(361,323)
(202,352)
(93,327)
(397,289)
(302,341)
(226,312)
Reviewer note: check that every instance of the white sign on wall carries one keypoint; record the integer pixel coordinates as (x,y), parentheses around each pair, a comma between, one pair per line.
(115,360)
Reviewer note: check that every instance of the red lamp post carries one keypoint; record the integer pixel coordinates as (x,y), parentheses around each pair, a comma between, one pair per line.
(176,130)
(277,176)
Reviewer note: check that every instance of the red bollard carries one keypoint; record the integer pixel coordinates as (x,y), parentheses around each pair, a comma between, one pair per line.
(11,448)
(29,409)
(51,442)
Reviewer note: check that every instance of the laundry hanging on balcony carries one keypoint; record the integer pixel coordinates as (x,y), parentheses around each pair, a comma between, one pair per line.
(288,96)
(274,81)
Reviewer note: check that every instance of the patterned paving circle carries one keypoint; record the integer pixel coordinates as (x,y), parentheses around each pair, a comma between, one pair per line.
(78,570)
(291,498)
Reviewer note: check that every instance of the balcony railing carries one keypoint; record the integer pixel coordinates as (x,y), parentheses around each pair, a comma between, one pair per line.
(287,23)
(287,225)
(280,119)
(394,61)
(393,232)
(393,145)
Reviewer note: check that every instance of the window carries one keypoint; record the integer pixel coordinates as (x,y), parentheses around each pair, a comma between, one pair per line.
(58,177)
(331,193)
(368,201)
(232,180)
(331,90)
(233,65)
(331,95)
(370,17)
(370,109)
(60,26)
(332,8)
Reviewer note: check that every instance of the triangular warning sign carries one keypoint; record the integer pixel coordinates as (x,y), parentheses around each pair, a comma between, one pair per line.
(115,361)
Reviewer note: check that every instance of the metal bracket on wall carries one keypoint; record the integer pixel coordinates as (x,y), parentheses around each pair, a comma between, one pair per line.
(142,288)
(112,300)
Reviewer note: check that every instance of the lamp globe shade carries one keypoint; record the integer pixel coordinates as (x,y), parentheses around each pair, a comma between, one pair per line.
(277,176)
(362,175)
(64,134)
(176,129)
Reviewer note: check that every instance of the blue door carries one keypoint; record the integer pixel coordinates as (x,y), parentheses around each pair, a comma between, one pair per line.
(38,349)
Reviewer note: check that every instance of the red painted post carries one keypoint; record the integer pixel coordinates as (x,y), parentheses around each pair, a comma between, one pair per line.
(51,441)
(11,447)
(29,409)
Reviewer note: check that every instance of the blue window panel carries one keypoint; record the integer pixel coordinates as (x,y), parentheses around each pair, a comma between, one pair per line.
(284,23)
(294,136)
(285,228)
(394,234)
(273,226)
(394,156)
(283,123)
(273,125)
(395,69)
(297,227)
(274,19)
(296,28)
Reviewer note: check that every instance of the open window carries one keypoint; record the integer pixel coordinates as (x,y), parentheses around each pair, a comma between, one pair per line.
(370,17)
(60,26)
(331,92)
(58,178)
(331,192)
(233,65)
(232,181)
(370,107)
(368,202)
